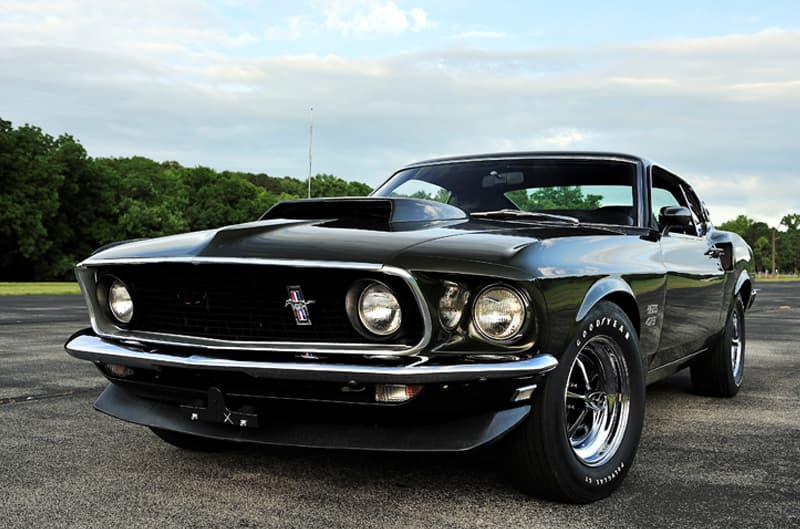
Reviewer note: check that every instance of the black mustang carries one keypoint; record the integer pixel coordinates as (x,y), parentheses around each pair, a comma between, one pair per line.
(523,298)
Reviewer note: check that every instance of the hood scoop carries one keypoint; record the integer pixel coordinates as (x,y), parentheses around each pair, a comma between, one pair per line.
(366,213)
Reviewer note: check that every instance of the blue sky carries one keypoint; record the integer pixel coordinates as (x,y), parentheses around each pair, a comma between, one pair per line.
(710,89)
(510,25)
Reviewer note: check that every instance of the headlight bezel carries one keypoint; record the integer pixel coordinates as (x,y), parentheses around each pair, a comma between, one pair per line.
(103,295)
(525,301)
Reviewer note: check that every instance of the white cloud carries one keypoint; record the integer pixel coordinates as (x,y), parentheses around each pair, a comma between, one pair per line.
(368,18)
(296,27)
(766,90)
(475,35)
(753,195)
(169,82)
(563,138)
(96,24)
(656,82)
(420,20)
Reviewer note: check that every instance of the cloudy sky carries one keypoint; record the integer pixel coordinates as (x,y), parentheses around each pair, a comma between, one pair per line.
(709,88)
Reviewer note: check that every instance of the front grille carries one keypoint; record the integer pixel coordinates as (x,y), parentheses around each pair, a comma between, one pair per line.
(248,302)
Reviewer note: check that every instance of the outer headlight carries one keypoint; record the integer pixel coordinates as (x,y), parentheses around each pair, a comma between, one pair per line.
(451,304)
(499,313)
(378,310)
(120,302)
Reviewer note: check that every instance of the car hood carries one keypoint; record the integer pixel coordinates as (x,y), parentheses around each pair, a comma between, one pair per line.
(437,244)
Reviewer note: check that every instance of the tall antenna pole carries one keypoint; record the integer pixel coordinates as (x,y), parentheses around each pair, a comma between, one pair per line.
(310,139)
(773,251)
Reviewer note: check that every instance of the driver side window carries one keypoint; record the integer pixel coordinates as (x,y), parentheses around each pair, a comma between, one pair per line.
(662,198)
(667,191)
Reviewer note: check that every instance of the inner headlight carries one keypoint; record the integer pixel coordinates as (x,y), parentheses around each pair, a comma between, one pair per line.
(378,310)
(499,313)
(120,302)
(451,304)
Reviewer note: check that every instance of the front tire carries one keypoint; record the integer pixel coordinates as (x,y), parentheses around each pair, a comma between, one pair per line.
(719,372)
(581,437)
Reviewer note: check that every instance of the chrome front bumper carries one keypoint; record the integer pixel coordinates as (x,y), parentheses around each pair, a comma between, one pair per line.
(87,346)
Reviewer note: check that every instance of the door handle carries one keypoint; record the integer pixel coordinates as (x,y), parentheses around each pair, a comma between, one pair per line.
(715,252)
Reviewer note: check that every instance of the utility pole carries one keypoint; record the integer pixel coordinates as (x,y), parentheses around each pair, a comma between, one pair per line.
(773,252)
(310,139)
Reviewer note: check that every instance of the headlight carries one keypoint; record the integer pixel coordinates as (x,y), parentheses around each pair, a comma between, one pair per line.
(120,302)
(499,313)
(451,304)
(379,310)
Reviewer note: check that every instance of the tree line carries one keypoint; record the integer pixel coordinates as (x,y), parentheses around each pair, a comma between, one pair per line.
(57,203)
(782,242)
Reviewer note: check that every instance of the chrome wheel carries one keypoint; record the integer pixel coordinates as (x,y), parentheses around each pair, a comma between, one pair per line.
(580,439)
(597,401)
(737,364)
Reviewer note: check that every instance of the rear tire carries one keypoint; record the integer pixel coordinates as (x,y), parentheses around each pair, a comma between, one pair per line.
(719,372)
(191,442)
(580,440)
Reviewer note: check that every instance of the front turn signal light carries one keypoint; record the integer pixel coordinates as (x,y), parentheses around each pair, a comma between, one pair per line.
(395,393)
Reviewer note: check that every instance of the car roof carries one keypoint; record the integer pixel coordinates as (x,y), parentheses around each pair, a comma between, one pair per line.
(577,155)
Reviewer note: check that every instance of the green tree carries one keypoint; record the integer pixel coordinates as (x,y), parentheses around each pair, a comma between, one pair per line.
(83,217)
(759,236)
(739,225)
(442,195)
(762,251)
(562,197)
(278,185)
(791,221)
(57,204)
(149,198)
(327,185)
(30,179)
(222,198)
(788,244)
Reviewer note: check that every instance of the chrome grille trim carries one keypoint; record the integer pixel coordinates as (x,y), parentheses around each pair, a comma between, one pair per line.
(106,329)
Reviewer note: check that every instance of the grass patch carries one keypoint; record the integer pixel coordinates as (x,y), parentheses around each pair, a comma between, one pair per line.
(38,289)
(776,279)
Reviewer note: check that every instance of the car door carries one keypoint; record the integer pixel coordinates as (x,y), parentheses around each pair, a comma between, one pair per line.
(695,276)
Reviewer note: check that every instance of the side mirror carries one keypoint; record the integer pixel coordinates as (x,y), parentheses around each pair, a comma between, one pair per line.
(674,216)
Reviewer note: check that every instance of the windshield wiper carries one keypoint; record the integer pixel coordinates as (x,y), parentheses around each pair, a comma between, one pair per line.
(517,214)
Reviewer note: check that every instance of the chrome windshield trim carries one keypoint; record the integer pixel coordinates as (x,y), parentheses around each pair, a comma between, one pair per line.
(109,330)
(95,349)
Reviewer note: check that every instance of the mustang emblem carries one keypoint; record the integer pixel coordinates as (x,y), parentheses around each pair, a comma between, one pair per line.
(299,305)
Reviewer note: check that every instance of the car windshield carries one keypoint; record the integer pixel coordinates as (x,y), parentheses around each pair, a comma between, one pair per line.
(590,190)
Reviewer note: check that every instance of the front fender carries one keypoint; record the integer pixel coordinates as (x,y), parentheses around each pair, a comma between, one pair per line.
(602,289)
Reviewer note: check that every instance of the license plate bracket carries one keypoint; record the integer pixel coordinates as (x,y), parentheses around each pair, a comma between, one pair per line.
(218,412)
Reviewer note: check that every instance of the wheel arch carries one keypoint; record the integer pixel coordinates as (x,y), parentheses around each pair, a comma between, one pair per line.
(617,291)
(744,287)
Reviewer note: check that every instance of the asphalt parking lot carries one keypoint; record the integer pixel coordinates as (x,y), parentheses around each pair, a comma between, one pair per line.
(702,463)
